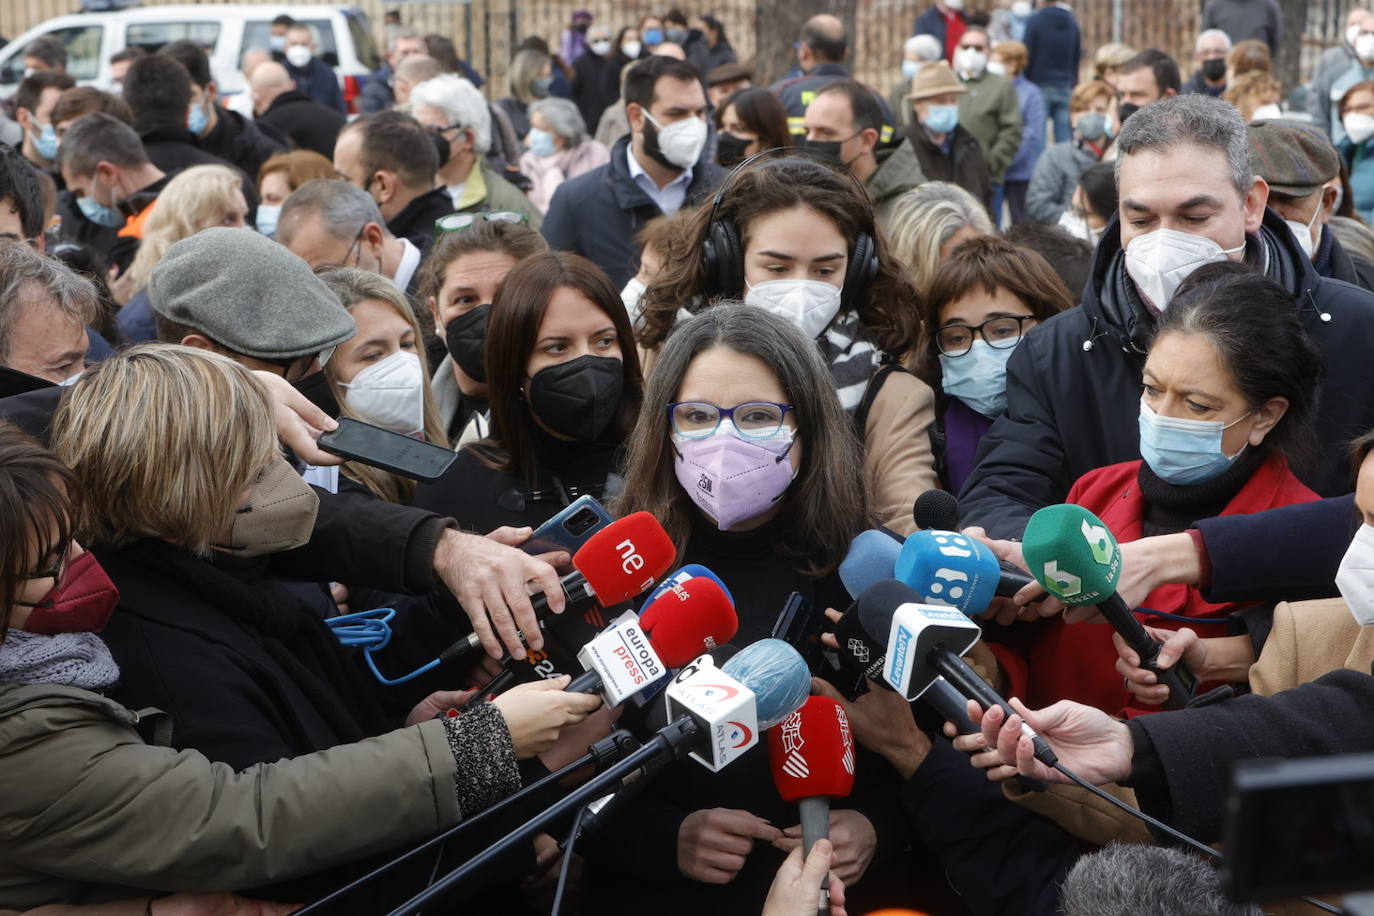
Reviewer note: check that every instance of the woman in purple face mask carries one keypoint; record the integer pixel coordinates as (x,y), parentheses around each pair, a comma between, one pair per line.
(744,454)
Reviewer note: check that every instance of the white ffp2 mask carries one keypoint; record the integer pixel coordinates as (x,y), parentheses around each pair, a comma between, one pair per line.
(809,304)
(1161,260)
(390,393)
(1355,576)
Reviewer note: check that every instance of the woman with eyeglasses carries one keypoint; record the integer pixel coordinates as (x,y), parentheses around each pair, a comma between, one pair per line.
(985,296)
(744,454)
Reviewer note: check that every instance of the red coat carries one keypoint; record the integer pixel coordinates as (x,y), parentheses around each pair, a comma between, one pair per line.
(1062,661)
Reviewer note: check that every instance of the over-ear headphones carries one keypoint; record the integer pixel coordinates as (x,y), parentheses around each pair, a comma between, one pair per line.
(722,254)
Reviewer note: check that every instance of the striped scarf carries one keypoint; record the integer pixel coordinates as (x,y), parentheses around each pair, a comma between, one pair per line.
(851,358)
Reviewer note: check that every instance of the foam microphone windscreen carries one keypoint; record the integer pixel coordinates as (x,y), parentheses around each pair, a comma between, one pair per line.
(811,752)
(625,558)
(688,619)
(872,556)
(949,568)
(936,510)
(776,673)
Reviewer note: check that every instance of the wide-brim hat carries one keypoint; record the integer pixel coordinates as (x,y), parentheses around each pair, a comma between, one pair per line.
(934,78)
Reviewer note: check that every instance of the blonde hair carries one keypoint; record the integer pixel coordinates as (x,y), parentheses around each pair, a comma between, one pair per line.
(1084,94)
(164,440)
(1251,90)
(924,219)
(353,286)
(1013,53)
(1111,56)
(195,199)
(300,166)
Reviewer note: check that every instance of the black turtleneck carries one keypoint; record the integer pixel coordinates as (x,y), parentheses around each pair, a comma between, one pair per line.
(1171,508)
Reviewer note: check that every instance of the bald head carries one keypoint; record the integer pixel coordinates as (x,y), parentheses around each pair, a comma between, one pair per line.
(252,59)
(268,81)
(411,72)
(823,40)
(669,49)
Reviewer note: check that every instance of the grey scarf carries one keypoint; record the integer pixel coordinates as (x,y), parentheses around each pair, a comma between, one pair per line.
(67,659)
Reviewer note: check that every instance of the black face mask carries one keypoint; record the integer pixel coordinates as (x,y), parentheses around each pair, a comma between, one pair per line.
(316,389)
(578,398)
(1125,110)
(1214,69)
(581,26)
(730,150)
(466,339)
(829,148)
(651,147)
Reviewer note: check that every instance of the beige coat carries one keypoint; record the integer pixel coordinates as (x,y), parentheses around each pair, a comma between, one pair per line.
(898,463)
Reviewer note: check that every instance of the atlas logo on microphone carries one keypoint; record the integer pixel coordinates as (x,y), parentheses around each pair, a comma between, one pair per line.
(732,736)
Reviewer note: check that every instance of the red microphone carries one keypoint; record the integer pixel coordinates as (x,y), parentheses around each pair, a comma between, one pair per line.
(618,562)
(811,753)
(688,619)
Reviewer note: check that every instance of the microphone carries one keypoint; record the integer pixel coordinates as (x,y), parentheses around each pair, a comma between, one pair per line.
(715,714)
(688,571)
(936,509)
(872,556)
(1076,558)
(925,642)
(672,629)
(811,754)
(618,562)
(953,569)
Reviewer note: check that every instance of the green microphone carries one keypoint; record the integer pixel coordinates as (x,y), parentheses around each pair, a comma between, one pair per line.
(1074,556)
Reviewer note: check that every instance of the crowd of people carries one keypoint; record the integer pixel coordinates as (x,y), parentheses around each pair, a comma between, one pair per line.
(1027,272)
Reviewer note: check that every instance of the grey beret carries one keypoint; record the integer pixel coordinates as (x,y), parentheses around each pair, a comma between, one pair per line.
(248,293)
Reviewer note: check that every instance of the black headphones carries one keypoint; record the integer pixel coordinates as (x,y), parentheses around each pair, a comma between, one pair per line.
(722,256)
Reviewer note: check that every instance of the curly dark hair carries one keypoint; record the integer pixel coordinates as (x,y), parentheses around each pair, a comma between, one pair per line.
(890,310)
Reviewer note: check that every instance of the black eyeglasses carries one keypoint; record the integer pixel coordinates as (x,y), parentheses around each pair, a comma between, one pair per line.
(754,420)
(457,222)
(1000,333)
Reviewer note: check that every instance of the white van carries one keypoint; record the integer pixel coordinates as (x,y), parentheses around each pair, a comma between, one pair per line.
(226,31)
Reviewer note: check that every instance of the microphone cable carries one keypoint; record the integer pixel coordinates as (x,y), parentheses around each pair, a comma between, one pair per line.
(1161,826)
(563,867)
(371,631)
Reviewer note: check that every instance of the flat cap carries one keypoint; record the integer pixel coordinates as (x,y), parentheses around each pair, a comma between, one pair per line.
(934,78)
(729,73)
(1294,158)
(248,293)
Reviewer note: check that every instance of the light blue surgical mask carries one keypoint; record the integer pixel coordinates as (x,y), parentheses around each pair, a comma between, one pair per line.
(267,219)
(1183,451)
(942,118)
(541,142)
(196,121)
(909,68)
(98,213)
(653,37)
(45,144)
(978,377)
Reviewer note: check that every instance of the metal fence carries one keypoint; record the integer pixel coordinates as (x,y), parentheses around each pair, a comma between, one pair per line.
(488,30)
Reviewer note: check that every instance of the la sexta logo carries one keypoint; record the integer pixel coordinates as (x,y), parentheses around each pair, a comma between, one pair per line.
(738,733)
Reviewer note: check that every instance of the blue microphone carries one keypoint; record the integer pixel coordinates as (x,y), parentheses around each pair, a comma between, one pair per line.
(689,571)
(949,568)
(871,558)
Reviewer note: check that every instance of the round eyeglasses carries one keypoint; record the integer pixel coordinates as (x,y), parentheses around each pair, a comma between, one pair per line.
(754,420)
(1000,333)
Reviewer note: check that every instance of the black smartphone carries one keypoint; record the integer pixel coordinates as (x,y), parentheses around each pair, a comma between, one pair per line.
(382,448)
(570,528)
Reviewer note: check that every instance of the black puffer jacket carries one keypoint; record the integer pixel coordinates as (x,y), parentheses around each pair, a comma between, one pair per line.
(1073,386)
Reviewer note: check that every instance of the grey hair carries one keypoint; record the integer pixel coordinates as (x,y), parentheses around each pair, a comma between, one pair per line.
(563,117)
(460,102)
(21,270)
(98,137)
(1135,880)
(1212,33)
(343,209)
(924,219)
(924,47)
(1191,120)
